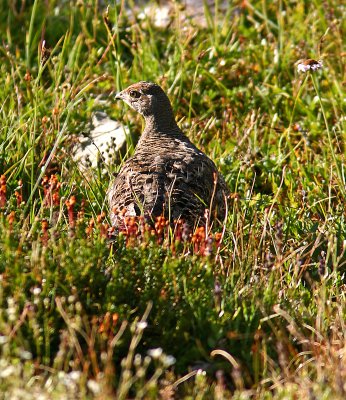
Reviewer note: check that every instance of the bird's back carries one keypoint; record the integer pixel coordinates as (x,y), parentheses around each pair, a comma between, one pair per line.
(168,176)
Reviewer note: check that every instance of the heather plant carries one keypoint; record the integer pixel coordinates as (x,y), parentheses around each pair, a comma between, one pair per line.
(253,307)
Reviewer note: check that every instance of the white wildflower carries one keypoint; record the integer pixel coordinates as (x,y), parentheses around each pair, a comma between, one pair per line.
(10,302)
(5,373)
(142,325)
(309,65)
(167,361)
(93,386)
(3,339)
(24,354)
(12,313)
(71,299)
(75,375)
(276,55)
(200,376)
(155,353)
(61,375)
(36,291)
(49,382)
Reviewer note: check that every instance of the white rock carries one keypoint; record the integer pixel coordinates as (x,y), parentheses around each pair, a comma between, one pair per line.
(103,143)
(163,13)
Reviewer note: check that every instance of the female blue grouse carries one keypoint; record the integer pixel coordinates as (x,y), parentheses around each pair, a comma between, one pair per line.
(167,175)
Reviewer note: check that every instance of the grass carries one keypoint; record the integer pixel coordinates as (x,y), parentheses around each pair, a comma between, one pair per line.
(259,314)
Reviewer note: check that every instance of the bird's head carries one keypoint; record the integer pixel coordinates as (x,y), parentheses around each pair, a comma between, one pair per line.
(146,98)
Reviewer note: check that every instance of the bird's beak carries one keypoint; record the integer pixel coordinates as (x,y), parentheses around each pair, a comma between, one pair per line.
(118,96)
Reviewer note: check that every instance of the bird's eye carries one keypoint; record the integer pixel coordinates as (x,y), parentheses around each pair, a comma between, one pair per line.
(135,94)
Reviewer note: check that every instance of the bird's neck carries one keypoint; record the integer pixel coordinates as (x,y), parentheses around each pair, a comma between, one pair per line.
(163,123)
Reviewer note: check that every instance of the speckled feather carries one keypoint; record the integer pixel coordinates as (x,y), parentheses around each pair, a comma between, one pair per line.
(167,174)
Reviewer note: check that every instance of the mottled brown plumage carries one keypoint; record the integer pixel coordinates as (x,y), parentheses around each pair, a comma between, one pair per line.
(167,174)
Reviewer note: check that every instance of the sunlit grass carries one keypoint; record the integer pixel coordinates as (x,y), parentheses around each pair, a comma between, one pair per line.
(253,309)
